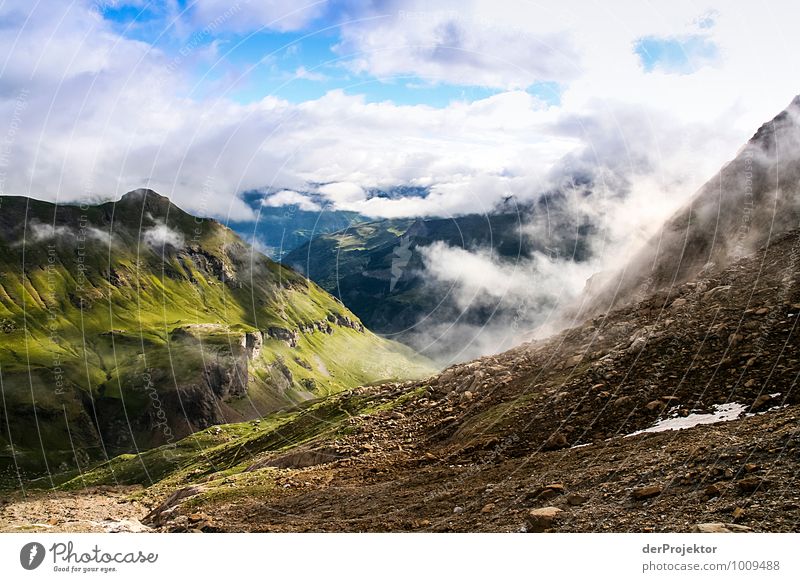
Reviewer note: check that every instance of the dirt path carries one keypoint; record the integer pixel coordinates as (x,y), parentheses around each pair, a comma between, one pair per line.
(104,509)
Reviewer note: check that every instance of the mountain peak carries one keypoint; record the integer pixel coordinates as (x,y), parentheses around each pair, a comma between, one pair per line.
(750,201)
(142,193)
(785,120)
(146,200)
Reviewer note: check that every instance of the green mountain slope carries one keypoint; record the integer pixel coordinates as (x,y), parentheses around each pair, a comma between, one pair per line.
(129,325)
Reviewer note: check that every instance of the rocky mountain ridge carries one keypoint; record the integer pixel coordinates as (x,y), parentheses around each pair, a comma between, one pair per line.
(751,200)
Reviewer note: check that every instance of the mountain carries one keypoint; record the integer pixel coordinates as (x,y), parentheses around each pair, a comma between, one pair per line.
(278,230)
(131,324)
(751,200)
(378,269)
(565,434)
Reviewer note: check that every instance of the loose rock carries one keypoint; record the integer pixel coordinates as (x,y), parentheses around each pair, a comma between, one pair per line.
(720,528)
(542,519)
(646,492)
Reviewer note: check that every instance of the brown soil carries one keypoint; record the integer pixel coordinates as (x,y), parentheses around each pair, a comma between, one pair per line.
(398,492)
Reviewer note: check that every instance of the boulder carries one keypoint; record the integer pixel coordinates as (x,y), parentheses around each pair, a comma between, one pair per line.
(542,519)
(720,528)
(643,493)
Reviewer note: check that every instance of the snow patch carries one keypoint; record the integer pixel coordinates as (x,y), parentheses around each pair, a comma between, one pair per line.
(721,413)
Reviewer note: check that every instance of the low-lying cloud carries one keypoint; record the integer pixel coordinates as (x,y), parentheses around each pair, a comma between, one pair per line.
(517,298)
(37,232)
(291,198)
(161,235)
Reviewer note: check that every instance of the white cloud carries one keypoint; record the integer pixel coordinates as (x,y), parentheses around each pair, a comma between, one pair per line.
(480,277)
(522,295)
(103,236)
(38,232)
(290,197)
(342,193)
(456,43)
(303,73)
(162,235)
(259,246)
(41,232)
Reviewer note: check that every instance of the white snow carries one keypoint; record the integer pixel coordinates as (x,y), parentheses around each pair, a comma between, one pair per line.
(722,413)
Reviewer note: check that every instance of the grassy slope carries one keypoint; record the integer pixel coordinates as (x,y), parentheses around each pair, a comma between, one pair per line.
(88,344)
(221,457)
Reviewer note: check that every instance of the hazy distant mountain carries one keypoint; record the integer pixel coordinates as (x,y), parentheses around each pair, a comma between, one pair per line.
(278,230)
(378,270)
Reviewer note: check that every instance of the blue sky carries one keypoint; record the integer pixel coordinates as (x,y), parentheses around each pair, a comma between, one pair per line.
(296,65)
(681,54)
(302,63)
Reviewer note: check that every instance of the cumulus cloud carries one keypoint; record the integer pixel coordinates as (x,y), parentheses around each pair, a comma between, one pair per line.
(122,123)
(161,235)
(456,42)
(343,194)
(290,197)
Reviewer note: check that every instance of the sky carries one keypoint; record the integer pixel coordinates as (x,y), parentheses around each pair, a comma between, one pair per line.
(473,100)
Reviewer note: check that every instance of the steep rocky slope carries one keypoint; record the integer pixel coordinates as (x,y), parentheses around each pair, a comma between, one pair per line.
(752,199)
(131,324)
(497,444)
